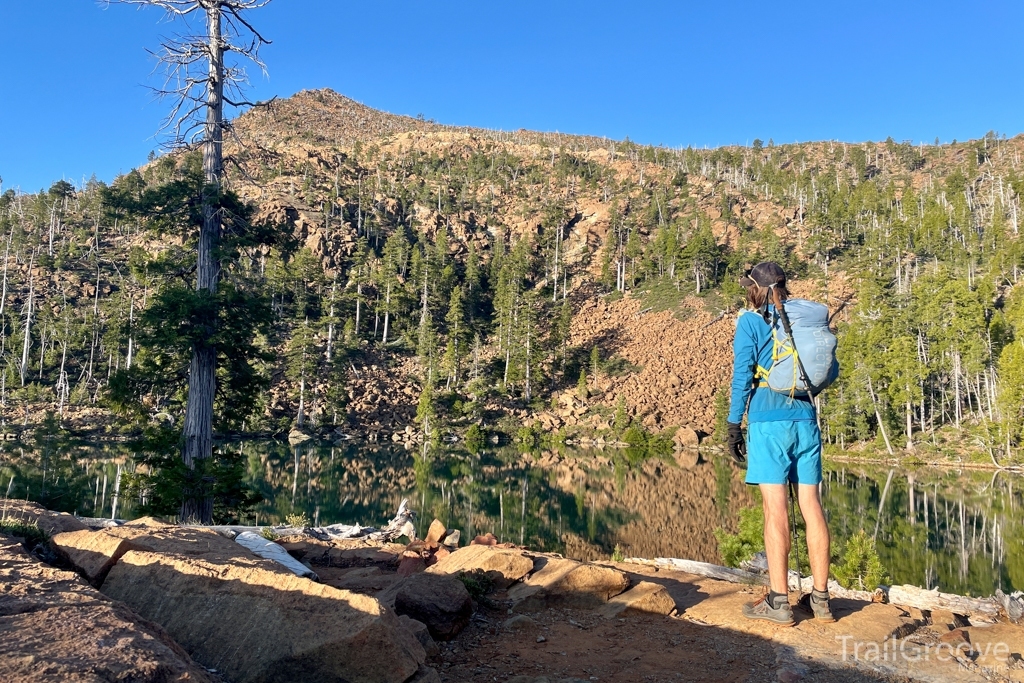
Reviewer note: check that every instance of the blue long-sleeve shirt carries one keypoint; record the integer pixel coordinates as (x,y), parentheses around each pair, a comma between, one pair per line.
(752,346)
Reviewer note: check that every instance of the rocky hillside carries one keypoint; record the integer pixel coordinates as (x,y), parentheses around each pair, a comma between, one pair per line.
(484,268)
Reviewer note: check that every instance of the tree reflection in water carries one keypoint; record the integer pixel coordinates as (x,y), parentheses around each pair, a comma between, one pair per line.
(958,531)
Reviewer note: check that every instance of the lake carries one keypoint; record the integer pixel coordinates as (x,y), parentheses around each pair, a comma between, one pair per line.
(959,531)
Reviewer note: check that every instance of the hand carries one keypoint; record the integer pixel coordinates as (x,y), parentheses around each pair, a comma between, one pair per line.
(737,445)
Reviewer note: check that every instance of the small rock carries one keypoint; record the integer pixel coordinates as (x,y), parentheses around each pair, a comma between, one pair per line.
(436,533)
(520,622)
(541,639)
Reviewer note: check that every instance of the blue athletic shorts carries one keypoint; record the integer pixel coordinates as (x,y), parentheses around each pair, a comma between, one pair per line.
(784,451)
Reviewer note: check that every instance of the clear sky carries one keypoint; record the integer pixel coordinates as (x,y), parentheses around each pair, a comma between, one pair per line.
(74,98)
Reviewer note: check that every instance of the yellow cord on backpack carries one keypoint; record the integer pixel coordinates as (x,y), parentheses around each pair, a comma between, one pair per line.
(780,350)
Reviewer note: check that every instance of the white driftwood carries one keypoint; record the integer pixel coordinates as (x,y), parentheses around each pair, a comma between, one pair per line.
(269,550)
(980,610)
(402,524)
(976,608)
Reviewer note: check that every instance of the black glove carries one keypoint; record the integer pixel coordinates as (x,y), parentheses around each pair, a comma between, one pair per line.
(737,445)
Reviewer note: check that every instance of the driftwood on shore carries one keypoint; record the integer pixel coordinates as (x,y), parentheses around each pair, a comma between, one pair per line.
(979,610)
(402,524)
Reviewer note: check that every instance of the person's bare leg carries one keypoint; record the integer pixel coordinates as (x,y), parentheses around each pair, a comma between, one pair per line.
(817,533)
(776,535)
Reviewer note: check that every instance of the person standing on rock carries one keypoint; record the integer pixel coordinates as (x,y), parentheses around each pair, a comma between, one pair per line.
(784,447)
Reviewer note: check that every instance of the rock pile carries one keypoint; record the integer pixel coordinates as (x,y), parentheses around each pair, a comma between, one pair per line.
(682,363)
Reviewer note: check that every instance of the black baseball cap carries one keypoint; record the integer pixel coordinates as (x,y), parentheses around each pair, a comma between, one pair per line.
(765,274)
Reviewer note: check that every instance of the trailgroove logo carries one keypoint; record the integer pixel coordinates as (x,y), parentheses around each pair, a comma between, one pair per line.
(904,649)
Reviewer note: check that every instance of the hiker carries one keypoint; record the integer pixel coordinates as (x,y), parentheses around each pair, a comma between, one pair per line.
(783,445)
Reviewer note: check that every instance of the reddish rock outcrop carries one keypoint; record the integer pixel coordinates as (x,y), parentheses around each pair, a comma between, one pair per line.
(56,628)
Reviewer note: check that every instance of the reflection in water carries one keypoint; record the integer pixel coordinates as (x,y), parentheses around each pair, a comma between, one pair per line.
(956,531)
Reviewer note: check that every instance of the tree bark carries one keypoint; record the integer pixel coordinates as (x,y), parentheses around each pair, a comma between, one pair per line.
(197,436)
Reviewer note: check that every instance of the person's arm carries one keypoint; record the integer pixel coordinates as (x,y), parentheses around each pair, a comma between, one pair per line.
(744,352)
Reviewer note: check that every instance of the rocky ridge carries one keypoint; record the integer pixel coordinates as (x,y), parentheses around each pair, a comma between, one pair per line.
(531,617)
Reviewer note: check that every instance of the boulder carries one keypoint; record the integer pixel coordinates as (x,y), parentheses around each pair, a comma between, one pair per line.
(51,523)
(440,602)
(685,437)
(55,628)
(436,533)
(502,566)
(253,620)
(557,582)
(644,598)
(91,553)
(419,629)
(297,436)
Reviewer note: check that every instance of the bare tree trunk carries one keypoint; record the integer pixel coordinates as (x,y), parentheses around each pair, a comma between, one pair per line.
(62,382)
(27,345)
(3,295)
(359,301)
(197,436)
(131,322)
(878,417)
(387,313)
(330,327)
(529,392)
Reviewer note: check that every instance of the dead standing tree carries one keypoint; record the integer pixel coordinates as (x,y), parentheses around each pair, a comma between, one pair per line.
(201,81)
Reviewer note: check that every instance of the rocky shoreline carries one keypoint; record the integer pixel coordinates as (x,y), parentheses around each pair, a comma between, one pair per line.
(147,601)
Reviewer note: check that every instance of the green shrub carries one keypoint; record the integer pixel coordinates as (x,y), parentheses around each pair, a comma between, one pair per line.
(617,366)
(860,568)
(581,386)
(527,436)
(746,542)
(635,436)
(474,439)
(622,420)
(297,520)
(268,533)
(29,531)
(617,555)
(477,583)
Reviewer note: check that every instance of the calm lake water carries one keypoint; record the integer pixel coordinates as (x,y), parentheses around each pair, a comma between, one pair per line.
(958,531)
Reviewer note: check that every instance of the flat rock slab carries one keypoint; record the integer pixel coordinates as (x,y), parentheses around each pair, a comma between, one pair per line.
(557,582)
(92,553)
(359,579)
(55,628)
(180,541)
(643,598)
(503,566)
(357,553)
(31,513)
(254,621)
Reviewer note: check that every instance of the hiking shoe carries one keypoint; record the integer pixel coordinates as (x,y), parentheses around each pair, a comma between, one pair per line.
(773,608)
(819,604)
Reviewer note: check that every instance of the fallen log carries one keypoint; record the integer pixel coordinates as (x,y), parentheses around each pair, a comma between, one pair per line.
(979,610)
(402,524)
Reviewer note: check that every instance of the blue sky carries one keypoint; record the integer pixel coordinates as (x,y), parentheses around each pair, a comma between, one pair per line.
(74,101)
